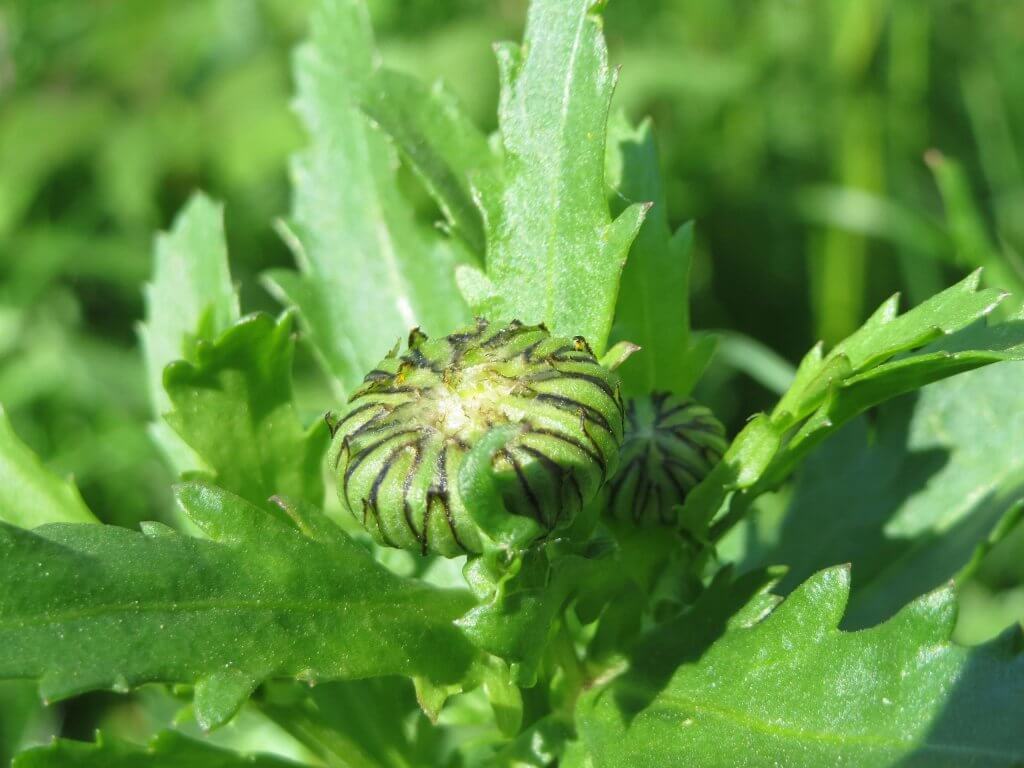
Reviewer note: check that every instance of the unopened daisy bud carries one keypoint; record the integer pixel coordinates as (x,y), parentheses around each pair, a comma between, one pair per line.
(671,444)
(398,450)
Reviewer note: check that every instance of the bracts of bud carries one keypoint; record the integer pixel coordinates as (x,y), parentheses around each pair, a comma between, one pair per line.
(398,449)
(671,444)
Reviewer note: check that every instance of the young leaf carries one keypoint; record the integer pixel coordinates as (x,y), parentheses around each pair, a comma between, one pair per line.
(367,272)
(30,494)
(93,607)
(190,298)
(554,254)
(233,407)
(654,303)
(794,690)
(885,358)
(168,749)
(885,334)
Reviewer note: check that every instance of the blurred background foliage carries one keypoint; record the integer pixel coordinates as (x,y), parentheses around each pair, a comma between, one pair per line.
(831,151)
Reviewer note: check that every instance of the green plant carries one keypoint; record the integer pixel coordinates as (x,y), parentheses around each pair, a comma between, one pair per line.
(607,611)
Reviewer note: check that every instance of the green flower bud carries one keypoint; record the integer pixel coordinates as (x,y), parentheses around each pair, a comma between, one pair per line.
(671,444)
(398,450)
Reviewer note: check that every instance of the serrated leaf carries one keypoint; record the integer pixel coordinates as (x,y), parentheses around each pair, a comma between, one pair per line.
(887,333)
(368,273)
(95,607)
(794,690)
(167,750)
(653,309)
(30,494)
(554,254)
(909,500)
(449,154)
(190,297)
(233,407)
(888,356)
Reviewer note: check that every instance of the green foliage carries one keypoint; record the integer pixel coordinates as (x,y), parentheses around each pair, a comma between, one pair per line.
(888,356)
(368,271)
(554,254)
(790,688)
(653,308)
(594,641)
(190,298)
(911,497)
(298,601)
(233,407)
(31,495)
(449,154)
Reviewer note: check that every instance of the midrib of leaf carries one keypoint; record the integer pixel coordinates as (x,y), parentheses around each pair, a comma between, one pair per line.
(570,78)
(390,607)
(808,736)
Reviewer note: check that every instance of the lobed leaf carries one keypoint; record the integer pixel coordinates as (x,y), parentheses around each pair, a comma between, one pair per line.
(554,254)
(888,356)
(792,689)
(911,499)
(368,273)
(30,494)
(885,334)
(653,308)
(233,407)
(190,298)
(94,607)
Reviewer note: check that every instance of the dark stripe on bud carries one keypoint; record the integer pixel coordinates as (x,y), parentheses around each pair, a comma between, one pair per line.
(671,443)
(398,450)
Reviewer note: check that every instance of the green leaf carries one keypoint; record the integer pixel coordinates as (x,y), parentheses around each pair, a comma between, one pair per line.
(794,690)
(888,356)
(368,273)
(449,154)
(909,500)
(93,607)
(516,621)
(233,406)
(30,494)
(191,297)
(654,303)
(167,750)
(885,334)
(554,254)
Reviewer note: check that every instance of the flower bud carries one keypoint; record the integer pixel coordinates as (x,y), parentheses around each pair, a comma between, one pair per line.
(398,450)
(671,444)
